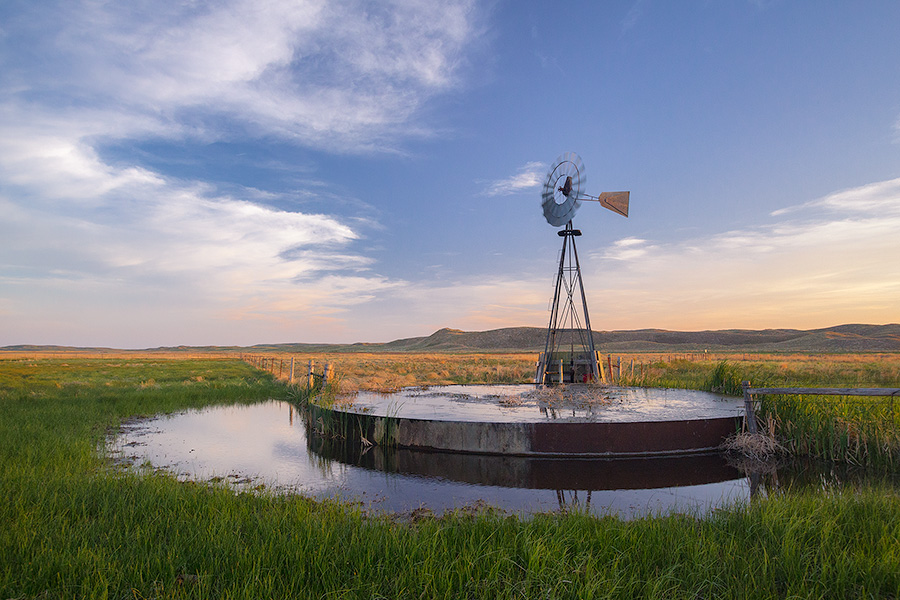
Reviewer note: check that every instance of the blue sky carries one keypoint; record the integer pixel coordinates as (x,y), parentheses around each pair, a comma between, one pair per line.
(244,172)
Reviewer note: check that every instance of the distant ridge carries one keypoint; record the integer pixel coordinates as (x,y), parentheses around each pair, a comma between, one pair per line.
(842,338)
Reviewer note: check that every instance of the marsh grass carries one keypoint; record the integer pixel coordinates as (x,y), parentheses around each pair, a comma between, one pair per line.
(863,431)
(74,526)
(858,430)
(724,373)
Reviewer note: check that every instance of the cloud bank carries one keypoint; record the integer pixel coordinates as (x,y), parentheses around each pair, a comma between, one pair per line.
(84,237)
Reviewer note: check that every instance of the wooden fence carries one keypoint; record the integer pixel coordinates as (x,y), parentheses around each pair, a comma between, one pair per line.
(281,369)
(750,392)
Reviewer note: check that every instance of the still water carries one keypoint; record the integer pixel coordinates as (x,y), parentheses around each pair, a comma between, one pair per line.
(529,404)
(269,444)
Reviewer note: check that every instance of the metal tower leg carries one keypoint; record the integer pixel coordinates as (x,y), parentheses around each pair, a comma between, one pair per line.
(595,368)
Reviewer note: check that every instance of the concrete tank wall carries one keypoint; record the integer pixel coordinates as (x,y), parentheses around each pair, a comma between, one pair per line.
(545,438)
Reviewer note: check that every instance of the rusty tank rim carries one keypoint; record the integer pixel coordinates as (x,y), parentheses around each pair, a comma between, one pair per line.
(541,439)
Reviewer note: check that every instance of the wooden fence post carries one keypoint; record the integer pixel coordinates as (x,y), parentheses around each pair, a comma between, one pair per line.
(749,412)
(291,376)
(600,368)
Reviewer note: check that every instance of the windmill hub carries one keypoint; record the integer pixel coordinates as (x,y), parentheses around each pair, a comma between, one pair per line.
(566,189)
(569,355)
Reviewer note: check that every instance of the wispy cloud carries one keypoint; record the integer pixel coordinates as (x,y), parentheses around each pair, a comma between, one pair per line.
(346,77)
(635,13)
(337,75)
(531,175)
(875,199)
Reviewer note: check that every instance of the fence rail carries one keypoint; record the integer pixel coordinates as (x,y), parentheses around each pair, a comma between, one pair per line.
(750,392)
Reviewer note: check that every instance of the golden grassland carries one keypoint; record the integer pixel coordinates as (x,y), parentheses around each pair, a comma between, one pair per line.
(384,371)
(388,371)
(391,371)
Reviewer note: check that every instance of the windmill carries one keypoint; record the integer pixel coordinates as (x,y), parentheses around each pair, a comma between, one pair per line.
(569,355)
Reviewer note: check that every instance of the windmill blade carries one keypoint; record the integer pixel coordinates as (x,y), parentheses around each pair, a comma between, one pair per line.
(615,201)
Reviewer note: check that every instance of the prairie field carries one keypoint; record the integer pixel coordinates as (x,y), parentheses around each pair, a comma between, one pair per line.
(73,525)
(386,371)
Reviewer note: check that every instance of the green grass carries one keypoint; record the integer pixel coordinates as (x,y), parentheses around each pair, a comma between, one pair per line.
(767,370)
(863,431)
(72,526)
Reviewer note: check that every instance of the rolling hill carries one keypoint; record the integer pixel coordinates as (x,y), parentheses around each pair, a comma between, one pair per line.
(842,338)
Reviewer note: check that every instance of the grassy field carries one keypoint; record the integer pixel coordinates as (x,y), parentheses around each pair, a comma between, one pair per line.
(74,526)
(389,371)
(385,371)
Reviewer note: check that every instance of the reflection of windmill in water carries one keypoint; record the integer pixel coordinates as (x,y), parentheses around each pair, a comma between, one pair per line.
(572,503)
(569,355)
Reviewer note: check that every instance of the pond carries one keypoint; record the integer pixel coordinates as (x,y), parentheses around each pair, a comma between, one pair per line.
(268,444)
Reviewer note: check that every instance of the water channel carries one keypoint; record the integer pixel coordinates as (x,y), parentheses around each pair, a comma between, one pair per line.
(269,444)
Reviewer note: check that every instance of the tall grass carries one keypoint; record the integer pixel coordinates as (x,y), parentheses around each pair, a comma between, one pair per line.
(73,526)
(858,430)
(766,370)
(863,431)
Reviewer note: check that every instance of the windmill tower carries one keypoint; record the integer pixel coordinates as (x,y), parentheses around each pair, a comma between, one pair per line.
(569,355)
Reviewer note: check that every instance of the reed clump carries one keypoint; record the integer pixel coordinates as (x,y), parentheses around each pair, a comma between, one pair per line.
(755,446)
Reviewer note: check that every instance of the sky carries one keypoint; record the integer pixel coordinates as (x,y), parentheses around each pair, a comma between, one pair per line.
(244,171)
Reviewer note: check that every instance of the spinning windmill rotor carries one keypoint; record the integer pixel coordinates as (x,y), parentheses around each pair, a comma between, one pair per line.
(569,355)
(560,197)
(563,192)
